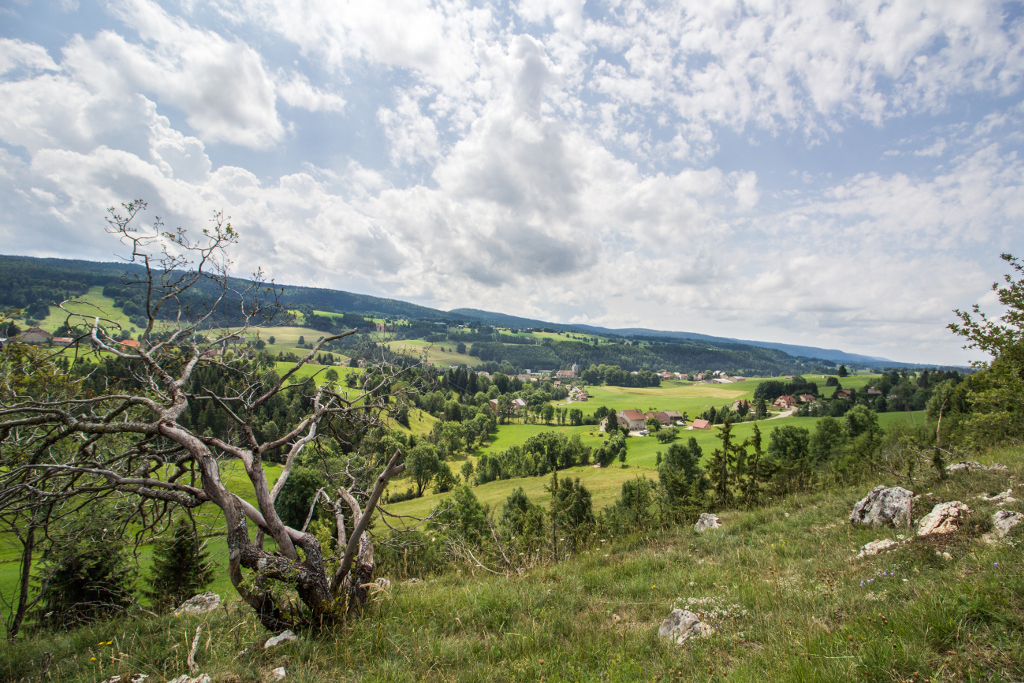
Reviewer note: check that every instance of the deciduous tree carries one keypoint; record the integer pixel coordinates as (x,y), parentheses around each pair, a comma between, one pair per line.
(129,439)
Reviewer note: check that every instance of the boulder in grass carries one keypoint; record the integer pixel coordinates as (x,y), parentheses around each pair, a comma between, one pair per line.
(1002,522)
(875,547)
(707,521)
(884,506)
(682,625)
(945,518)
(971,466)
(277,640)
(199,604)
(1003,498)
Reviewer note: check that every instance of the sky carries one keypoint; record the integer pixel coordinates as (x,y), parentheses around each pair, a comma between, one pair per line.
(835,174)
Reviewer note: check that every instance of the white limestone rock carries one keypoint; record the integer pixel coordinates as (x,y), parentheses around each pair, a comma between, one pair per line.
(199,604)
(945,518)
(278,639)
(682,625)
(1002,522)
(970,465)
(707,521)
(875,547)
(1000,498)
(884,506)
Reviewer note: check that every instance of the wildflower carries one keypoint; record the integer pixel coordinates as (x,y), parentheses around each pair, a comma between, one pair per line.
(92,659)
(995,564)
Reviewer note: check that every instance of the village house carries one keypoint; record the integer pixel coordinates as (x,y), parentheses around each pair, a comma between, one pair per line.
(785,402)
(701,424)
(874,392)
(740,403)
(806,398)
(844,393)
(34,335)
(130,343)
(62,341)
(634,419)
(661,417)
(675,415)
(517,405)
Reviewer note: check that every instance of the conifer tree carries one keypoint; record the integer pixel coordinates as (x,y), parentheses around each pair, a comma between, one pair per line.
(181,568)
(723,469)
(89,575)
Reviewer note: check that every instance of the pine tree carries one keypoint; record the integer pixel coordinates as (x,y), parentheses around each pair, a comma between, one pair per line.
(181,568)
(90,575)
(722,470)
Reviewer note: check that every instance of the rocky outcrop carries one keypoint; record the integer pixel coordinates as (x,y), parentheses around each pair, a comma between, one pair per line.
(1003,498)
(707,521)
(1002,522)
(971,466)
(185,678)
(875,547)
(945,518)
(278,639)
(884,507)
(274,675)
(199,604)
(682,625)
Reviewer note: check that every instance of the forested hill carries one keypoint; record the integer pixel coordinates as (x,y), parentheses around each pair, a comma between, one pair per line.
(33,284)
(834,355)
(25,280)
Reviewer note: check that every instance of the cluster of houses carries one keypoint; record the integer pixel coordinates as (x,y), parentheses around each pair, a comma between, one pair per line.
(37,335)
(636,420)
(578,394)
(788,402)
(518,405)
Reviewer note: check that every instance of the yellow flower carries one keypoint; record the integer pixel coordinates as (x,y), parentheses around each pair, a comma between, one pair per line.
(92,659)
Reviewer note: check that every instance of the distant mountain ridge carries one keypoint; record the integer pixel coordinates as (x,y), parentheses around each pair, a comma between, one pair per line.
(834,355)
(94,272)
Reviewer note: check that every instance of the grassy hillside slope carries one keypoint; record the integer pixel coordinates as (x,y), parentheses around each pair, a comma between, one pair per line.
(781,587)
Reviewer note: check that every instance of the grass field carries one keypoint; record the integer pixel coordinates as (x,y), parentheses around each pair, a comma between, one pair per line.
(89,305)
(433,350)
(685,397)
(781,588)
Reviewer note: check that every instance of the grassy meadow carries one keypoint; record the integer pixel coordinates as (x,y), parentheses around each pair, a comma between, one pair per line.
(781,587)
(603,483)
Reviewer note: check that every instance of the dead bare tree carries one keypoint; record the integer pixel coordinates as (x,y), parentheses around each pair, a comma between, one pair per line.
(66,446)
